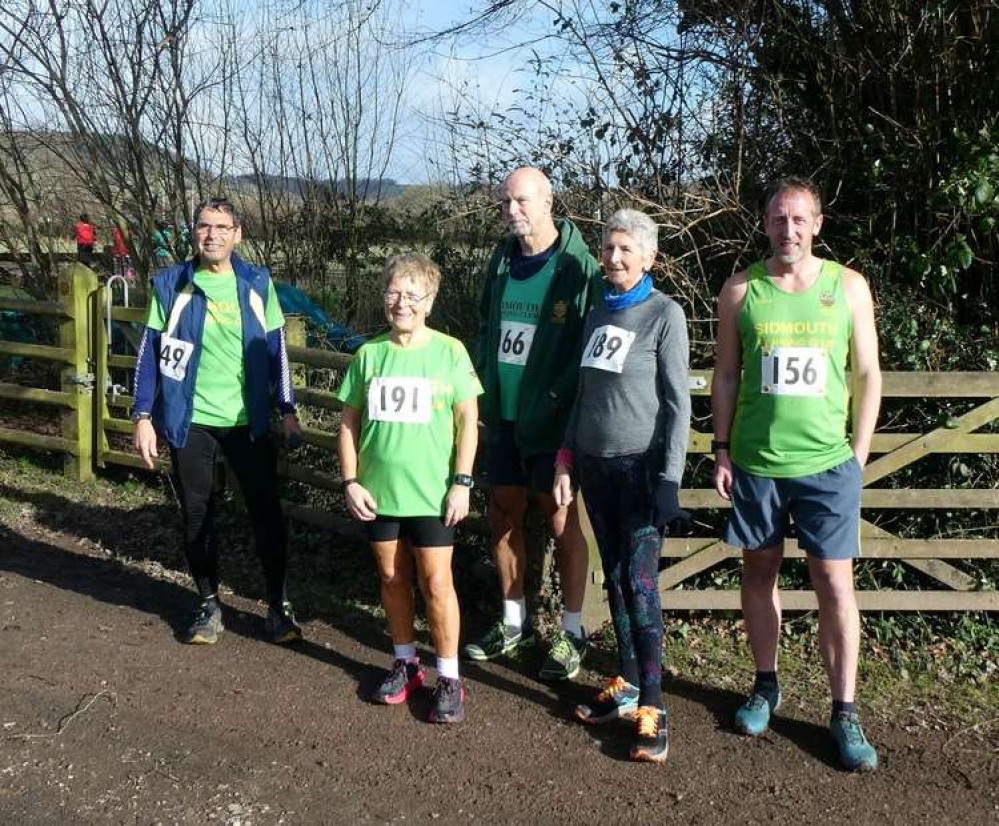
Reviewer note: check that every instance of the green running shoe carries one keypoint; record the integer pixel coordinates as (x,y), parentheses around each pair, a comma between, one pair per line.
(753,717)
(499,640)
(855,753)
(564,657)
(207,624)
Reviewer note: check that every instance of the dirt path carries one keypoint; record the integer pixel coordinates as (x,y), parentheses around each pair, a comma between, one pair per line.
(106,718)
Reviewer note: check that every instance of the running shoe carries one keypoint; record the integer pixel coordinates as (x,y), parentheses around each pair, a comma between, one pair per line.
(207,624)
(281,626)
(618,699)
(564,657)
(499,640)
(753,717)
(651,735)
(855,753)
(447,702)
(400,682)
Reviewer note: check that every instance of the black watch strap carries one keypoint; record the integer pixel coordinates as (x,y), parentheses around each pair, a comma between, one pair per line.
(717,445)
(463,479)
(137,417)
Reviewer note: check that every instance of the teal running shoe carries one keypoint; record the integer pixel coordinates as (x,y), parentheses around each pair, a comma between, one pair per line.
(855,753)
(618,699)
(753,717)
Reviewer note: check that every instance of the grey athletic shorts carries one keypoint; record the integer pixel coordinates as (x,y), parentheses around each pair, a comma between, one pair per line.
(825,507)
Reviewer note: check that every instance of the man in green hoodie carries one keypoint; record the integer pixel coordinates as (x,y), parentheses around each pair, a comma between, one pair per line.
(540,285)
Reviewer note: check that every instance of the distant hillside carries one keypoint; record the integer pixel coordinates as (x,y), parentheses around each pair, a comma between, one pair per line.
(294,185)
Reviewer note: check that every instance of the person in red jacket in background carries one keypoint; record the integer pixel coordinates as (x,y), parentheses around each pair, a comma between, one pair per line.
(86,237)
(122,263)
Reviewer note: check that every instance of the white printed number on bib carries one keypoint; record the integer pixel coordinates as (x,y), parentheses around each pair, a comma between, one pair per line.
(515,342)
(174,356)
(794,371)
(608,348)
(399,400)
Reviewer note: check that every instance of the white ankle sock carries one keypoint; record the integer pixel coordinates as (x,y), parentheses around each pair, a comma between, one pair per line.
(448,667)
(514,612)
(406,652)
(572,622)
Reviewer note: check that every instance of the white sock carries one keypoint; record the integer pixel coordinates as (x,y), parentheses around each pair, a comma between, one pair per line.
(406,652)
(447,667)
(572,622)
(514,612)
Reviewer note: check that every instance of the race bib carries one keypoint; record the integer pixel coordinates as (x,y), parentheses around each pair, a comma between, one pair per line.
(400,400)
(174,356)
(794,371)
(515,342)
(608,348)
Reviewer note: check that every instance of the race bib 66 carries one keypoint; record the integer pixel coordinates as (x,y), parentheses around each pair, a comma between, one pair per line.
(515,342)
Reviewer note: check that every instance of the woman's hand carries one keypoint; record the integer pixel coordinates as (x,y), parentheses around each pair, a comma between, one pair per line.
(562,488)
(360,503)
(456,505)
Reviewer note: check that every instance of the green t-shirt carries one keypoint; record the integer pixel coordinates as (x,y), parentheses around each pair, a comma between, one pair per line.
(520,309)
(219,386)
(406,398)
(790,420)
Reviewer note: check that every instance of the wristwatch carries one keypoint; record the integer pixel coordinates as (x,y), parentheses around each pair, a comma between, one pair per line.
(463,479)
(717,445)
(139,416)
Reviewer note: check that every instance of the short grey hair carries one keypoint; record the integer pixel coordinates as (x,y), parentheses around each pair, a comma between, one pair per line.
(642,229)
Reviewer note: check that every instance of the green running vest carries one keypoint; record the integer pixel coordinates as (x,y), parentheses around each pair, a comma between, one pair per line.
(790,419)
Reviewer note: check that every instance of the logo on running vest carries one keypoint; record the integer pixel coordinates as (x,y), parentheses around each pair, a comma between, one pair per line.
(826,298)
(560,309)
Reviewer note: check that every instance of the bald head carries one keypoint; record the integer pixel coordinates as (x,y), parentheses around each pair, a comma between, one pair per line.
(526,203)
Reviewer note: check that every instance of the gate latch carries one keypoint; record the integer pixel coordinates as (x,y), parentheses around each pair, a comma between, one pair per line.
(83,380)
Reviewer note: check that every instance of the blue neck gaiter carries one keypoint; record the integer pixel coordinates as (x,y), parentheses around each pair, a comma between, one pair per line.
(636,295)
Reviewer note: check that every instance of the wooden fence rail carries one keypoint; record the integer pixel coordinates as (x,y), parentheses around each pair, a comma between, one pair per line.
(90,413)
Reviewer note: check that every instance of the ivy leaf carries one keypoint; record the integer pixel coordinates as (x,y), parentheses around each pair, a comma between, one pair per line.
(984,192)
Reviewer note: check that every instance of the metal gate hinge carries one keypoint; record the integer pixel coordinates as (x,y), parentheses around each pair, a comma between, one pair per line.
(83,380)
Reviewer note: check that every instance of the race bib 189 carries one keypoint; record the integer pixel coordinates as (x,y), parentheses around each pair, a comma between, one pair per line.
(608,348)
(174,356)
(793,371)
(515,342)
(400,400)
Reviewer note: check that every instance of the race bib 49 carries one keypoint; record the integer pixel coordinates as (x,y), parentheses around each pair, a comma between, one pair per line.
(400,400)
(608,348)
(793,371)
(173,357)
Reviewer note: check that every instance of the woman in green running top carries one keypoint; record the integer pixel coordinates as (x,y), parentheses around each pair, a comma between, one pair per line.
(407,442)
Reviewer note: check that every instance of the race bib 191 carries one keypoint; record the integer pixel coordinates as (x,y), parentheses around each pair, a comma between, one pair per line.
(608,348)
(515,342)
(174,356)
(400,400)
(793,371)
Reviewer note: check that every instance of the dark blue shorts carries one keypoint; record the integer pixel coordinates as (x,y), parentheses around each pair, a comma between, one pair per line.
(825,507)
(505,465)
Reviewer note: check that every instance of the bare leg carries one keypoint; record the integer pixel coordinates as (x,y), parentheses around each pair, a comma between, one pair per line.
(433,567)
(839,623)
(395,567)
(571,554)
(507,506)
(761,604)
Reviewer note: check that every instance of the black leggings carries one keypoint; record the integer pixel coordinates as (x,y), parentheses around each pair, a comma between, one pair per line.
(254,463)
(618,493)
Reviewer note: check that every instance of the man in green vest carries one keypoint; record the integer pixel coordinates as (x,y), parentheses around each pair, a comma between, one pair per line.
(540,284)
(787,328)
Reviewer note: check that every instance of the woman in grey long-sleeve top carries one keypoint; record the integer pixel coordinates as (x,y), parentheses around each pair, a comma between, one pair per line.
(627,438)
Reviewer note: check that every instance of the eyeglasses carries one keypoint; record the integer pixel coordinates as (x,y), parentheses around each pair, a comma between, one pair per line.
(394,296)
(218,229)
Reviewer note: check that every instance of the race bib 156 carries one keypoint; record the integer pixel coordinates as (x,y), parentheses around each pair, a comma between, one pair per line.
(608,348)
(174,356)
(794,371)
(515,342)
(400,400)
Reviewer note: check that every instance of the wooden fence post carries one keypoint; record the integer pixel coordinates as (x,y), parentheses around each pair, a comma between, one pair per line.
(294,330)
(77,288)
(595,612)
